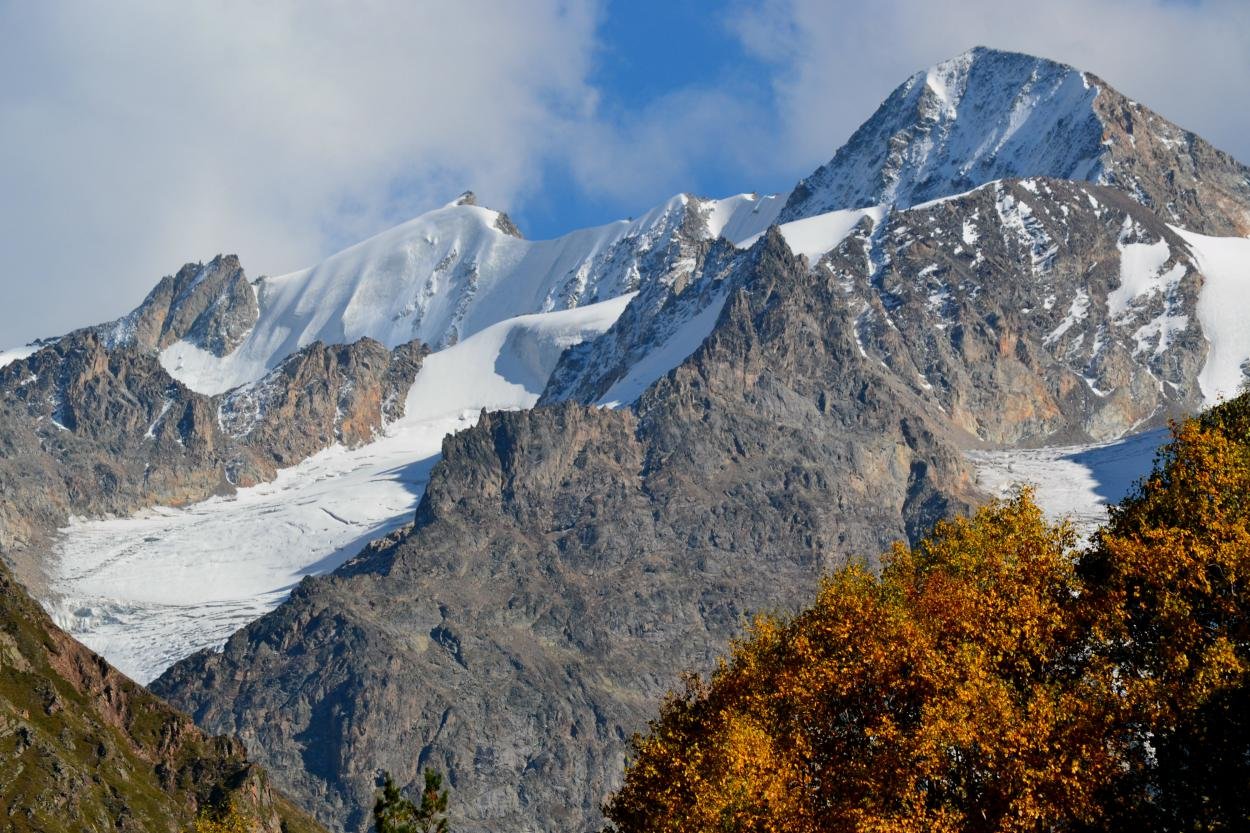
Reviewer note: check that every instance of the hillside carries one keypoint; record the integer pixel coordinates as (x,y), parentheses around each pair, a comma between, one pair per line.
(86,749)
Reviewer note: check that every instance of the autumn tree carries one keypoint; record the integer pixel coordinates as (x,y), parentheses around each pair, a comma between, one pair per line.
(995,677)
(1167,583)
(948,694)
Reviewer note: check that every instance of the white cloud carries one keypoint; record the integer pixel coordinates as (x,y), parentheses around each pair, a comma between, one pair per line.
(138,135)
(640,158)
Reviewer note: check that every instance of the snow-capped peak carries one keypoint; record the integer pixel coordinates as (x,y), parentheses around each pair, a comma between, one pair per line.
(456,270)
(980,116)
(946,81)
(987,115)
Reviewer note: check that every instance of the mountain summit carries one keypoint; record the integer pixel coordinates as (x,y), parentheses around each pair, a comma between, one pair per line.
(988,114)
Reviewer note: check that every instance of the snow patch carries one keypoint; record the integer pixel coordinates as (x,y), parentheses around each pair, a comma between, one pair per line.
(150,434)
(1078,311)
(740,217)
(1076,482)
(17,353)
(1223,311)
(664,357)
(814,236)
(1142,275)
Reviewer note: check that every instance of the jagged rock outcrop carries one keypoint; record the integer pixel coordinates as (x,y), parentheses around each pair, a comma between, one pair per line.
(89,429)
(567,562)
(210,305)
(658,253)
(84,749)
(661,312)
(988,115)
(319,396)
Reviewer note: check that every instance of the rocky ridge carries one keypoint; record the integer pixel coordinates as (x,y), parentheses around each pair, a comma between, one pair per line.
(1025,311)
(211,305)
(454,272)
(90,429)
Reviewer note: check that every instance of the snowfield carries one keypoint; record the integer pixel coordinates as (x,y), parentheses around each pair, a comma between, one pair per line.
(147,590)
(1076,482)
(8,356)
(1223,311)
(814,236)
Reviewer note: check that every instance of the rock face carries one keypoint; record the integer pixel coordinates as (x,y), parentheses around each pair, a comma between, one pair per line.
(83,748)
(321,395)
(566,563)
(90,429)
(989,115)
(212,306)
(1025,311)
(1031,311)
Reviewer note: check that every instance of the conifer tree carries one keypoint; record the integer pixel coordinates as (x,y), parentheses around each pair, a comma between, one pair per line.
(393,812)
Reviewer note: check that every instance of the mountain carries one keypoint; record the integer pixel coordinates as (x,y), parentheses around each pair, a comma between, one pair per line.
(785,405)
(161,406)
(1026,311)
(85,749)
(152,588)
(558,551)
(207,344)
(988,115)
(565,560)
(725,408)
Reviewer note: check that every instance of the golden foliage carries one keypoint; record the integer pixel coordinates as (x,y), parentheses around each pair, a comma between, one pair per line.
(992,678)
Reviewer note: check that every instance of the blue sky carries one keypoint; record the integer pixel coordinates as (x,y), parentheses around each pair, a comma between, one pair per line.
(140,134)
(645,51)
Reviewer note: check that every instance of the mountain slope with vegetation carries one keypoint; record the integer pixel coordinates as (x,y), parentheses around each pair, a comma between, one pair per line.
(85,749)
